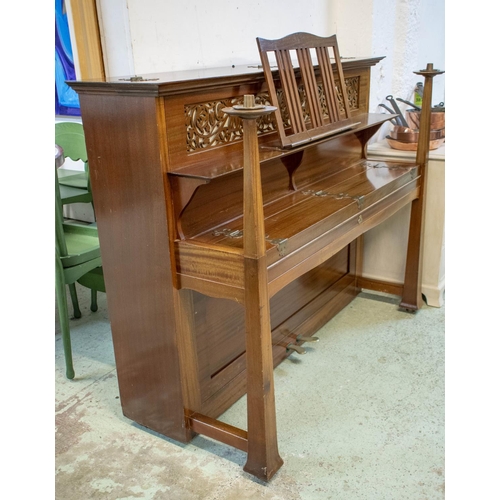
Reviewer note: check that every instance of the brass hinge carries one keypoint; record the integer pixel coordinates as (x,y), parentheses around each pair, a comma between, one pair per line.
(138,79)
(230,233)
(360,200)
(281,243)
(413,171)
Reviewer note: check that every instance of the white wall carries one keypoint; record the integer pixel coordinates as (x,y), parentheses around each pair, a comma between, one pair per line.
(410,33)
(114,26)
(147,36)
(171,35)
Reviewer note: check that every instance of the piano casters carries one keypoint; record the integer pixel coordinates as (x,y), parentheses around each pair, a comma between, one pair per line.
(412,287)
(263,459)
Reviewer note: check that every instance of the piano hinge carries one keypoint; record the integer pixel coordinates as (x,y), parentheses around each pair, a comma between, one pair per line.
(281,243)
(360,200)
(138,79)
(230,233)
(413,171)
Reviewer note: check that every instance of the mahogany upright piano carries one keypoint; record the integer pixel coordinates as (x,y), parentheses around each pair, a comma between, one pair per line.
(193,302)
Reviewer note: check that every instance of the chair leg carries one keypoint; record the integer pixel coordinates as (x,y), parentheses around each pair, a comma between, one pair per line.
(74,299)
(62,306)
(93,300)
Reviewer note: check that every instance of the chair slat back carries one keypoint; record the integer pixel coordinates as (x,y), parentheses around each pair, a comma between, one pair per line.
(70,136)
(305,110)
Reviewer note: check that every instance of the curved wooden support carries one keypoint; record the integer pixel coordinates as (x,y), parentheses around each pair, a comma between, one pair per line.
(183,189)
(364,136)
(292,163)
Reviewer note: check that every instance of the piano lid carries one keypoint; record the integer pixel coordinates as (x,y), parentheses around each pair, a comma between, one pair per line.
(179,82)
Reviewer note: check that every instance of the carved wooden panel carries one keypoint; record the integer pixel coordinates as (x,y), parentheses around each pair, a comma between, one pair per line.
(207,126)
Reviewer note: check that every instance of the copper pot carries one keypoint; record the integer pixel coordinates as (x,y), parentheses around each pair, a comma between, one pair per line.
(413,119)
(412,146)
(405,134)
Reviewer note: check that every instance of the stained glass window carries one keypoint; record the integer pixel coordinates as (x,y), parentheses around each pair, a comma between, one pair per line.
(67,102)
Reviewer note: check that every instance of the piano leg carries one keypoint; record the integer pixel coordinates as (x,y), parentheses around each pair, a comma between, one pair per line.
(412,288)
(188,359)
(263,457)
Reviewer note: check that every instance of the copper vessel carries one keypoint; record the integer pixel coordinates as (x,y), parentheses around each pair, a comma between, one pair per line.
(437,119)
(405,134)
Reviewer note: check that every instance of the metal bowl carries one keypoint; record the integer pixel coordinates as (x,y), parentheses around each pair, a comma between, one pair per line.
(412,146)
(405,134)
(437,119)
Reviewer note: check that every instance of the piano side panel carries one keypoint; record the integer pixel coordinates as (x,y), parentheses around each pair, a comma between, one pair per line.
(127,183)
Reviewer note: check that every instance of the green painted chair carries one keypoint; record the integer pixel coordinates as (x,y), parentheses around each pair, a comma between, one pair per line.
(74,184)
(78,258)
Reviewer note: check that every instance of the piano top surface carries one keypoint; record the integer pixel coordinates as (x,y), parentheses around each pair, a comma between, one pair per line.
(165,83)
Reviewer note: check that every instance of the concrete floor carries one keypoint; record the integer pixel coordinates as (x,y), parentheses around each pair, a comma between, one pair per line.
(360,416)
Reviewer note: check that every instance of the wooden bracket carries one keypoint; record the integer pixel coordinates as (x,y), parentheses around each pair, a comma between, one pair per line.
(183,189)
(292,163)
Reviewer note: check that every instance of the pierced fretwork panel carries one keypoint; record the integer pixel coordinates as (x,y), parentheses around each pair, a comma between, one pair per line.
(207,126)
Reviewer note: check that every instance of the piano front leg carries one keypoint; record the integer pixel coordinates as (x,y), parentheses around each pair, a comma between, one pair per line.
(412,287)
(263,459)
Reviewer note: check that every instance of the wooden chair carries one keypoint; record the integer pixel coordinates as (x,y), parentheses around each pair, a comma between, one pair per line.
(78,258)
(74,185)
(325,110)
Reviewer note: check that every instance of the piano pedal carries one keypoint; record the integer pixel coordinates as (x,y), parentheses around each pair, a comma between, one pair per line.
(297,348)
(303,338)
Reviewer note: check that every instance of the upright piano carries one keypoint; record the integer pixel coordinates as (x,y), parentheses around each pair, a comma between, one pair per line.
(187,309)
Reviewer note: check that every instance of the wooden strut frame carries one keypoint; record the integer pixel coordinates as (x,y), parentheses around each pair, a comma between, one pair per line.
(260,441)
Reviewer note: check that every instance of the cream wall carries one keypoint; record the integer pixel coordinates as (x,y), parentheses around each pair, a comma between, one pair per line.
(170,35)
(145,36)
(409,33)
